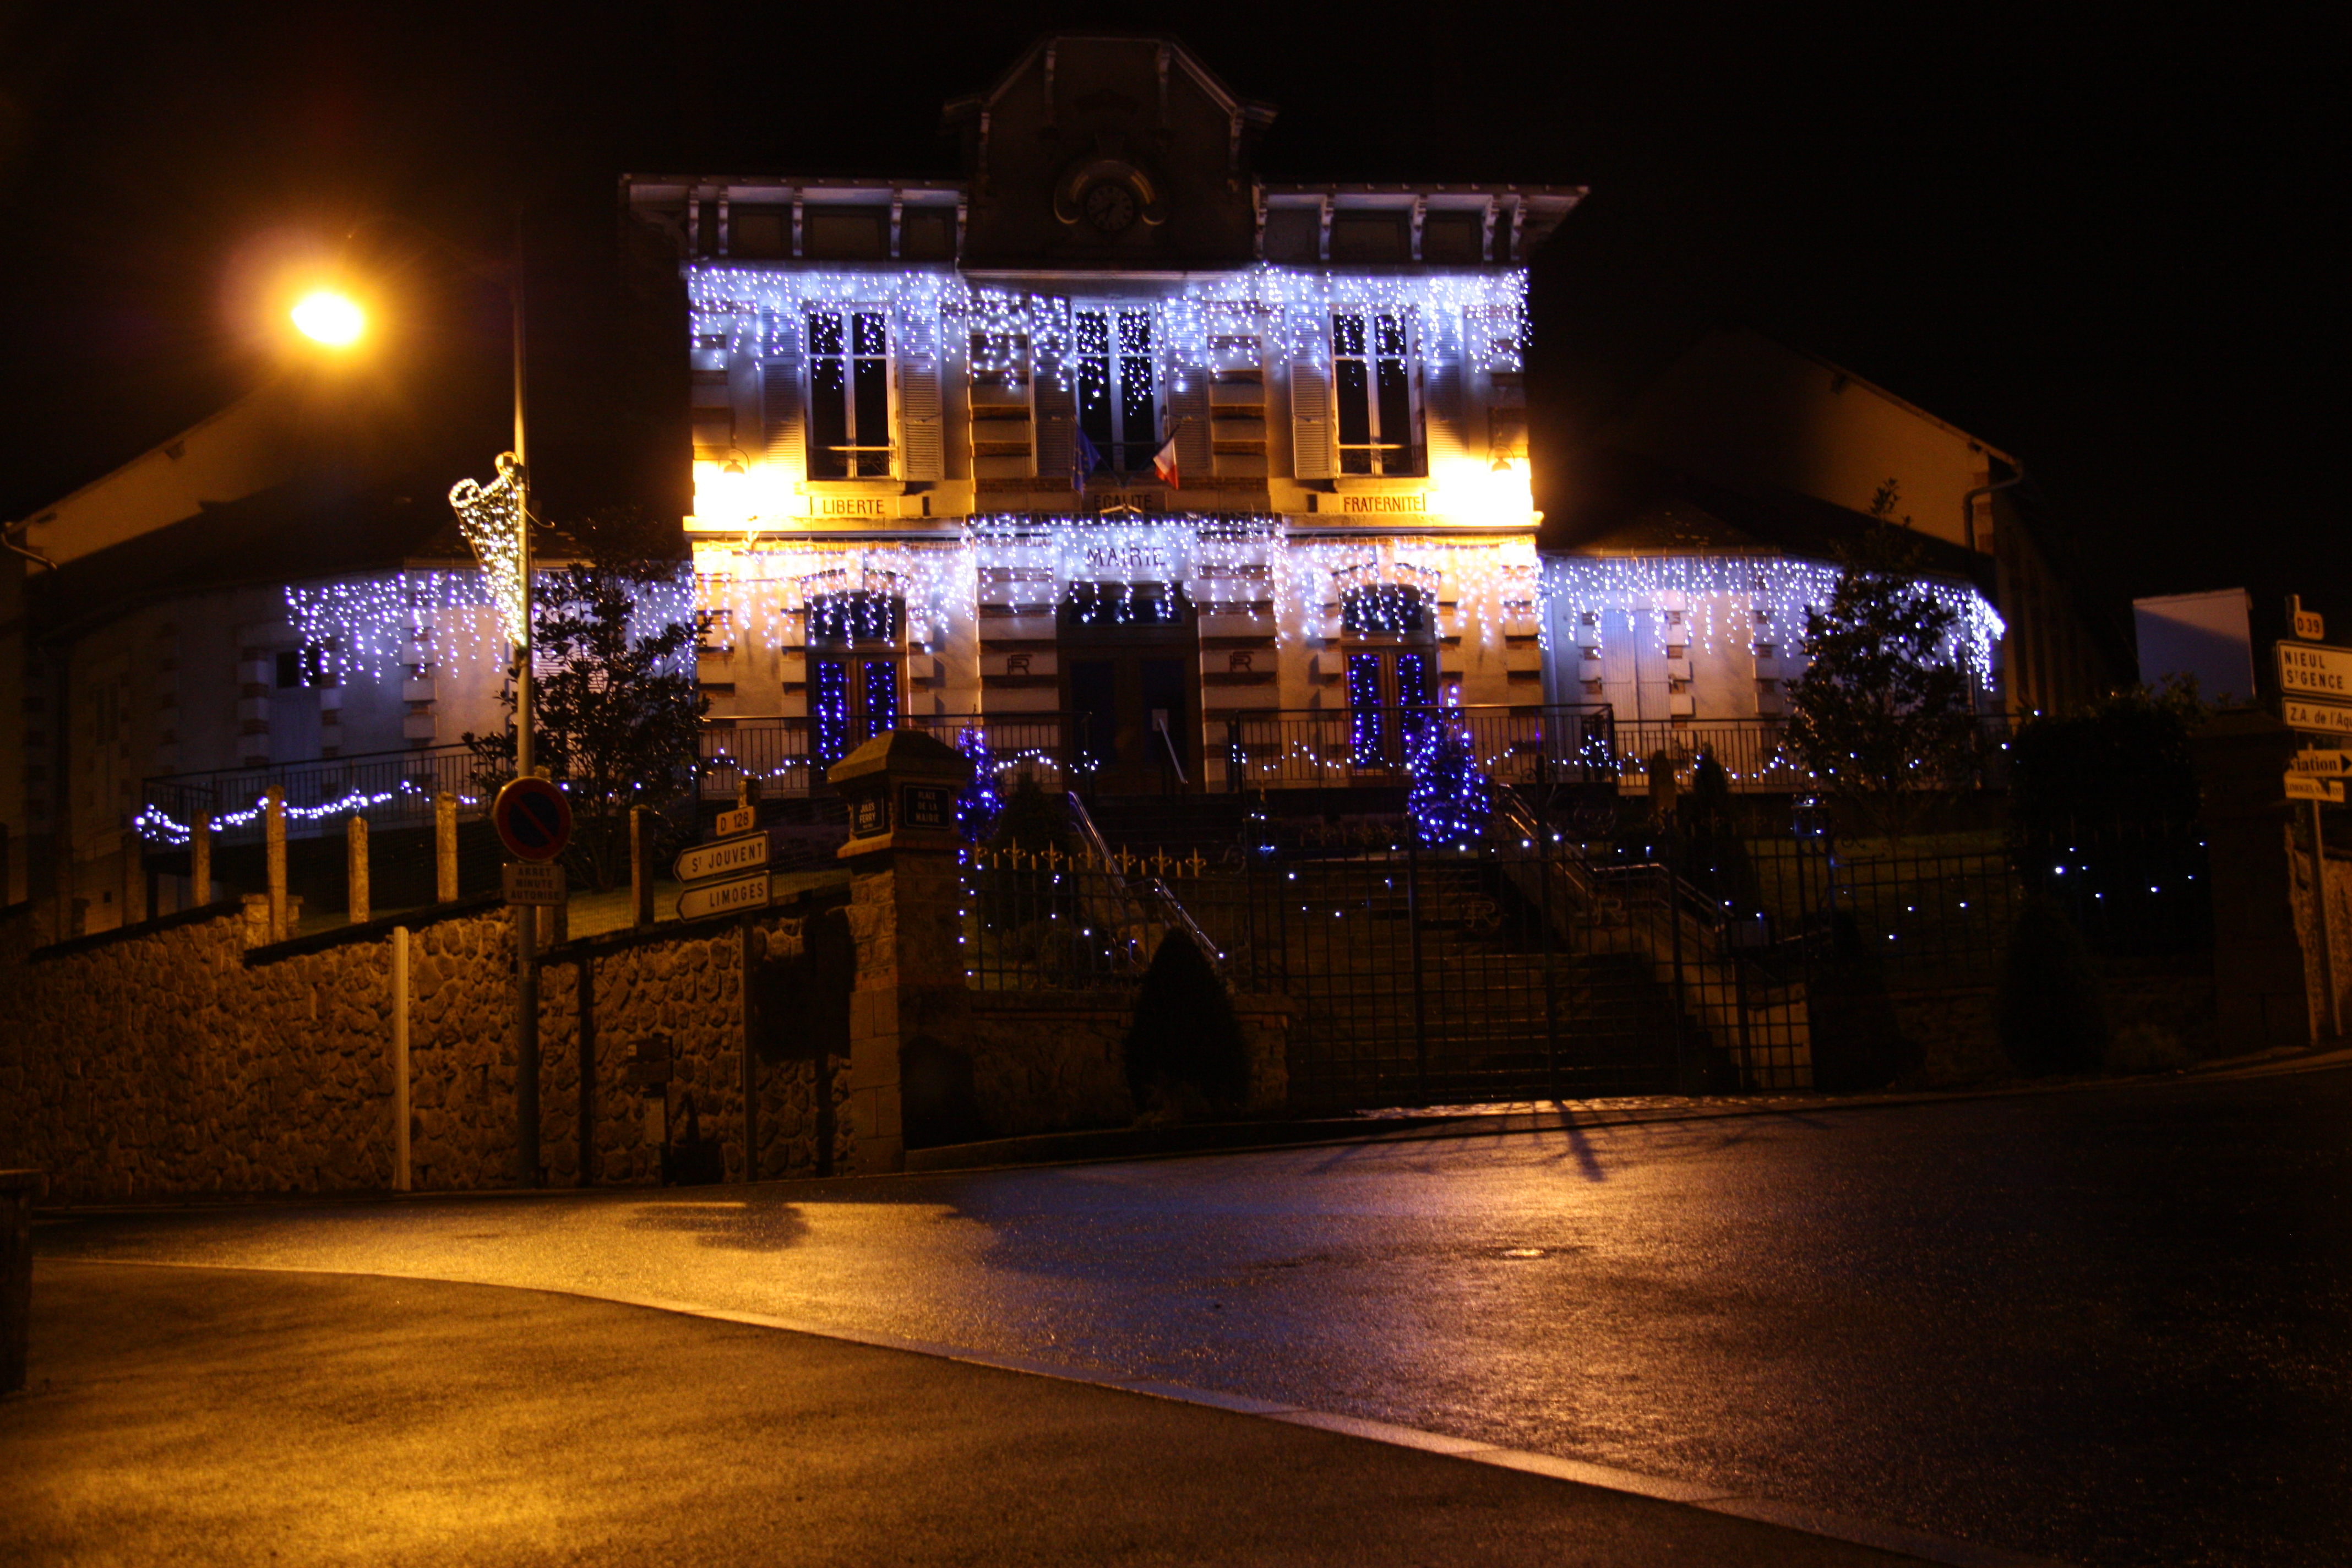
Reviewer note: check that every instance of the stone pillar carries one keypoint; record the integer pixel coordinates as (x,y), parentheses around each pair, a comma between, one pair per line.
(444,847)
(200,859)
(134,878)
(273,813)
(355,868)
(2259,991)
(641,869)
(904,880)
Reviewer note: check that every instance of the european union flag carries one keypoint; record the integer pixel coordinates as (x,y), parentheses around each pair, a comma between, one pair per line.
(1084,461)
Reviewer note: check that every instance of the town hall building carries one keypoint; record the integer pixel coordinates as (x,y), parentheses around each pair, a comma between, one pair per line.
(1111,443)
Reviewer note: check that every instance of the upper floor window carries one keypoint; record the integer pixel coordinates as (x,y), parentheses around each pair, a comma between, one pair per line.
(849,395)
(1371,375)
(299,668)
(1118,391)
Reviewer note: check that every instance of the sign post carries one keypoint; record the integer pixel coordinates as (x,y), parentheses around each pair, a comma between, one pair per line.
(534,822)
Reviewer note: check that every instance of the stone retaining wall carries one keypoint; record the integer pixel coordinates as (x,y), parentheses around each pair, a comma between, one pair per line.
(1046,1061)
(173,1057)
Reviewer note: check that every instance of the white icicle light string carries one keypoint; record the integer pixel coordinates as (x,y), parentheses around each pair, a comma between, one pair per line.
(388,623)
(1718,597)
(1211,324)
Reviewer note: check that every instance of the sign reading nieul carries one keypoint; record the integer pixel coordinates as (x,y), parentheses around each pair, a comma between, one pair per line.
(2315,671)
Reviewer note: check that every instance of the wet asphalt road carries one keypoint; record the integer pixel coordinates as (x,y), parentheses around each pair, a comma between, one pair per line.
(2114,1326)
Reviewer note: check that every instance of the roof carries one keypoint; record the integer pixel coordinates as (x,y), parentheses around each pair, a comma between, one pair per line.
(1178,54)
(1625,504)
(320,526)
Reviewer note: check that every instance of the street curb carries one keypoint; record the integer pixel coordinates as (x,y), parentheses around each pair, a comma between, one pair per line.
(1401,1129)
(1801,1518)
(1119,1144)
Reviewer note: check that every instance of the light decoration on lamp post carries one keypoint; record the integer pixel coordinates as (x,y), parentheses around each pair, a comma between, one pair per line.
(491,517)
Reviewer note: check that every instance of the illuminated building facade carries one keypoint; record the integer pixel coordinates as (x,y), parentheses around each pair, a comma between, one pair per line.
(1110,440)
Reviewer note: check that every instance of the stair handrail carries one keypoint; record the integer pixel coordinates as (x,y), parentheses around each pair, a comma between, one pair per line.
(1149,894)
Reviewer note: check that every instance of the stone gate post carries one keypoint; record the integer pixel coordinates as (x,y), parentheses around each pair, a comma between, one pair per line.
(901,788)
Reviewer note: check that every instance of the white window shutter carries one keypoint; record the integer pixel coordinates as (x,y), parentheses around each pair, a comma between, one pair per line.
(1188,410)
(1056,409)
(1310,422)
(1445,429)
(922,449)
(784,424)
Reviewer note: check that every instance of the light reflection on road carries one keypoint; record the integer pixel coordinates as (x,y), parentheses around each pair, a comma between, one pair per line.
(2011,1321)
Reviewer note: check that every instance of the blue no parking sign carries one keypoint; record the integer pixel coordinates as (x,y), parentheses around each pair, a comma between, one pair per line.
(534,819)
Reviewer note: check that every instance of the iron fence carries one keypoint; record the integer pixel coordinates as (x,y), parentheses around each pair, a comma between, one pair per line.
(1337,747)
(783,754)
(390,789)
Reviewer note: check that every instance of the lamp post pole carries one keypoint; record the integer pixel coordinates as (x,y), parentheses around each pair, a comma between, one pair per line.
(527,1163)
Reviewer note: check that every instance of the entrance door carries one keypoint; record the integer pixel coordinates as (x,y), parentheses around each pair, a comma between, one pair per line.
(1130,660)
(1140,735)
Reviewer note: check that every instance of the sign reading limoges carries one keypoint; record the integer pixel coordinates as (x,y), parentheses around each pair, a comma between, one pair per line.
(2303,786)
(722,858)
(2315,671)
(724,897)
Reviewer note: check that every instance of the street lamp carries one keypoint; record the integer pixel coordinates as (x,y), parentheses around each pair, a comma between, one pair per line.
(326,317)
(496,520)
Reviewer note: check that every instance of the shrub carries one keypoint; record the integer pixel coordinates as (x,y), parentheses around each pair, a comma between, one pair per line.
(1185,1052)
(2052,1014)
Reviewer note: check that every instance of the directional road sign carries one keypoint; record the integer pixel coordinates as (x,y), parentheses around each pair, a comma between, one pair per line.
(724,897)
(2317,717)
(534,882)
(723,858)
(2320,762)
(2303,786)
(534,819)
(2316,672)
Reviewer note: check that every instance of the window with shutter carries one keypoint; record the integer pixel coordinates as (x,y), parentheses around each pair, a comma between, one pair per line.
(849,395)
(1119,395)
(1371,375)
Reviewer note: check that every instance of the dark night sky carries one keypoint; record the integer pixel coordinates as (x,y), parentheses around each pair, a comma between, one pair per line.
(2099,246)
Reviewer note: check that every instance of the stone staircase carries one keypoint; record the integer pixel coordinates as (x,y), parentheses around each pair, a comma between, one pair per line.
(1494,1016)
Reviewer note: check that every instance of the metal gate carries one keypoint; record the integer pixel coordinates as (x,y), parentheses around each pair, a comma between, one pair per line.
(1516,969)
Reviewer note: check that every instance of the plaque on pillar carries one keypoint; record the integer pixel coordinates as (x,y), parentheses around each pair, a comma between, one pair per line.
(900,789)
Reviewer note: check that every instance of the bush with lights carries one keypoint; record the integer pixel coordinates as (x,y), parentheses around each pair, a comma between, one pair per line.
(617,713)
(1881,717)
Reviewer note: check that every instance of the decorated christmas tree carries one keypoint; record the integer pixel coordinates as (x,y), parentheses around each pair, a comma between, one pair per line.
(1449,799)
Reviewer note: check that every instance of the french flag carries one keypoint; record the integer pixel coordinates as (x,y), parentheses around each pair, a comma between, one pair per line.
(1163,463)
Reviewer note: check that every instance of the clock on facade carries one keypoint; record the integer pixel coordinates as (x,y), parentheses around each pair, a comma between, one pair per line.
(1111,206)
(1109,195)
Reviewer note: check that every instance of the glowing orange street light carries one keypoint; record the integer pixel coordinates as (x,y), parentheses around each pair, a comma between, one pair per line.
(333,319)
